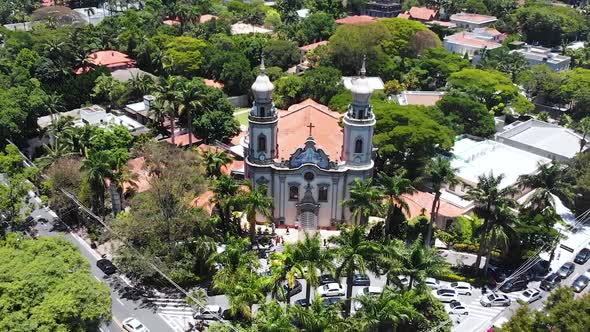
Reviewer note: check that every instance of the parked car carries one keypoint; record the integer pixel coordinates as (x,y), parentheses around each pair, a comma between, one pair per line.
(566,270)
(432,283)
(210,311)
(133,325)
(496,273)
(331,289)
(550,282)
(580,283)
(331,301)
(302,303)
(369,290)
(296,289)
(583,256)
(462,288)
(405,281)
(530,295)
(445,294)
(457,308)
(495,300)
(326,279)
(106,266)
(514,285)
(361,280)
(538,271)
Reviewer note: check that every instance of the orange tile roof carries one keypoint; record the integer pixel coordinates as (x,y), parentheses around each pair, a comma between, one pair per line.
(203,201)
(206,18)
(236,139)
(137,167)
(171,22)
(213,83)
(405,15)
(182,140)
(110,59)
(307,48)
(422,13)
(356,19)
(293,130)
(234,165)
(420,203)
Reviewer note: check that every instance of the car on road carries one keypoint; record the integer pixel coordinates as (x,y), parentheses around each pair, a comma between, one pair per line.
(583,256)
(432,283)
(530,295)
(210,311)
(106,266)
(361,280)
(566,270)
(580,283)
(302,303)
(326,279)
(445,294)
(291,291)
(133,325)
(457,308)
(513,285)
(331,289)
(550,282)
(462,288)
(495,300)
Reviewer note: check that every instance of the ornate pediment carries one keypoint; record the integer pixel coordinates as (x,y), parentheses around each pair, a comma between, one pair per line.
(309,155)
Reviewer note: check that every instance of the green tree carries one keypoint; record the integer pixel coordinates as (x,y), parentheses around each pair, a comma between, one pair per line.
(110,90)
(390,311)
(214,160)
(402,32)
(434,67)
(182,55)
(317,318)
(255,201)
(167,98)
(439,172)
(492,88)
(322,83)
(225,189)
(281,53)
(12,196)
(467,115)
(365,198)
(574,89)
(96,168)
(353,253)
(584,127)
(288,91)
(272,317)
(394,188)
(549,180)
(501,59)
(315,27)
(310,257)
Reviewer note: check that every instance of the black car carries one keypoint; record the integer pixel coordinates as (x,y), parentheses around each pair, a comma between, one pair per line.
(106,266)
(550,282)
(361,280)
(566,269)
(538,271)
(496,273)
(583,256)
(302,302)
(580,283)
(514,285)
(328,301)
(295,290)
(326,279)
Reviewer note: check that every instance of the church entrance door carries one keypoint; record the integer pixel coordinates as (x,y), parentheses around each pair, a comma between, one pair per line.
(307,219)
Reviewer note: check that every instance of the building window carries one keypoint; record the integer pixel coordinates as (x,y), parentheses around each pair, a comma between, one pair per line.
(262,112)
(358,146)
(261,142)
(323,194)
(293,193)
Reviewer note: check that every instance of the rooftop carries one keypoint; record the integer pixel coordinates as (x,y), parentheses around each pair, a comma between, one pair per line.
(442,24)
(356,19)
(422,98)
(213,83)
(473,158)
(473,18)
(244,28)
(110,59)
(206,18)
(420,203)
(293,130)
(538,53)
(182,140)
(471,40)
(309,47)
(126,74)
(422,13)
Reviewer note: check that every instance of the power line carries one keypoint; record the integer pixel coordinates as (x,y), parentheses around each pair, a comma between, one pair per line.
(72,197)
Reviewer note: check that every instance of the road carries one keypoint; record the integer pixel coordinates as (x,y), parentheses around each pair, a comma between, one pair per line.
(126,302)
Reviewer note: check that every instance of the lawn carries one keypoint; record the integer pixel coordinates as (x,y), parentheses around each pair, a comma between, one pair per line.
(242,118)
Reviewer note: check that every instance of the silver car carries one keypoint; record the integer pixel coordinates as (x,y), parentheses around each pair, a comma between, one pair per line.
(495,300)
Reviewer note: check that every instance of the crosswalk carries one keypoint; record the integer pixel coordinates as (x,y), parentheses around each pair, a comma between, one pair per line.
(175,312)
(476,310)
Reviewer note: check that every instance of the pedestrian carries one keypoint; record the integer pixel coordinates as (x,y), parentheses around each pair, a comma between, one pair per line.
(325,243)
(484,289)
(282,240)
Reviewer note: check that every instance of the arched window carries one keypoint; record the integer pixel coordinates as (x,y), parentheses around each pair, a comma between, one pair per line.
(293,193)
(358,146)
(261,142)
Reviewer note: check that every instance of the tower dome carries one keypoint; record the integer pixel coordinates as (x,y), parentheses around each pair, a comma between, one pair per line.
(361,89)
(262,87)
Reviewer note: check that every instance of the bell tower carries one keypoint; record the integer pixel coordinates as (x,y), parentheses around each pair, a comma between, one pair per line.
(359,124)
(262,121)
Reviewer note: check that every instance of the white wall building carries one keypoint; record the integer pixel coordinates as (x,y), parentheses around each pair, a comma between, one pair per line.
(536,55)
(470,43)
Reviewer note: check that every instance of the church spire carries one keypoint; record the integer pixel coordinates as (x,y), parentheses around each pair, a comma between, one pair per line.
(363,67)
(262,67)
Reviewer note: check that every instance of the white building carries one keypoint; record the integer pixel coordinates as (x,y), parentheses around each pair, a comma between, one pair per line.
(420,98)
(536,55)
(472,21)
(470,43)
(304,158)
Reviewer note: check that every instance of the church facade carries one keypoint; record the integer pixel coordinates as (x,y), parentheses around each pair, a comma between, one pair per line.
(308,156)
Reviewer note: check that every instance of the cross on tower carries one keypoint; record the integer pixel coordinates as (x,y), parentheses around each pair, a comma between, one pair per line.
(311,126)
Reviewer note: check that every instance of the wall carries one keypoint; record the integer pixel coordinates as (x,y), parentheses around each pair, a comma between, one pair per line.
(239,101)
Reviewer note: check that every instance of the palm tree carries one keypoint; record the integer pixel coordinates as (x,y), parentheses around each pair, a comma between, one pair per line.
(353,253)
(254,201)
(214,160)
(316,318)
(225,189)
(394,187)
(284,271)
(167,100)
(244,290)
(389,311)
(585,129)
(497,236)
(488,195)
(53,104)
(237,254)
(416,261)
(97,169)
(440,172)
(141,85)
(549,180)
(311,258)
(54,151)
(190,95)
(120,177)
(364,200)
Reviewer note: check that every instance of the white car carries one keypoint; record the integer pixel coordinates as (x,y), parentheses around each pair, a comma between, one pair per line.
(133,325)
(457,308)
(445,294)
(405,281)
(495,300)
(331,289)
(432,283)
(462,288)
(530,295)
(209,312)
(369,290)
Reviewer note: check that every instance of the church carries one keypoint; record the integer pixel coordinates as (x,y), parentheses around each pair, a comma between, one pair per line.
(308,156)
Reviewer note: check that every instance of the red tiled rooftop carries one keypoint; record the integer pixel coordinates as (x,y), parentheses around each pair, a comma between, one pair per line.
(293,130)
(137,166)
(422,99)
(171,22)
(467,39)
(405,15)
(233,166)
(307,48)
(110,59)
(182,140)
(206,18)
(420,203)
(236,139)
(204,201)
(213,83)
(356,19)
(422,13)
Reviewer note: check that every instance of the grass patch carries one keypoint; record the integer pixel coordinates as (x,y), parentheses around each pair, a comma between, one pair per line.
(242,118)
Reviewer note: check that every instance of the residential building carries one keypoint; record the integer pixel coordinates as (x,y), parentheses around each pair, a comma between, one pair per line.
(472,21)
(537,55)
(421,14)
(382,8)
(470,43)
(244,28)
(305,158)
(421,98)
(356,19)
(420,204)
(113,60)
(141,111)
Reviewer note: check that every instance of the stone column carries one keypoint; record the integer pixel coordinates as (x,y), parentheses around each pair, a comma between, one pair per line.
(282,179)
(334,199)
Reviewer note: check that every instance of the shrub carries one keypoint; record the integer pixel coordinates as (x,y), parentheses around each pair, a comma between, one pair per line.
(466,247)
